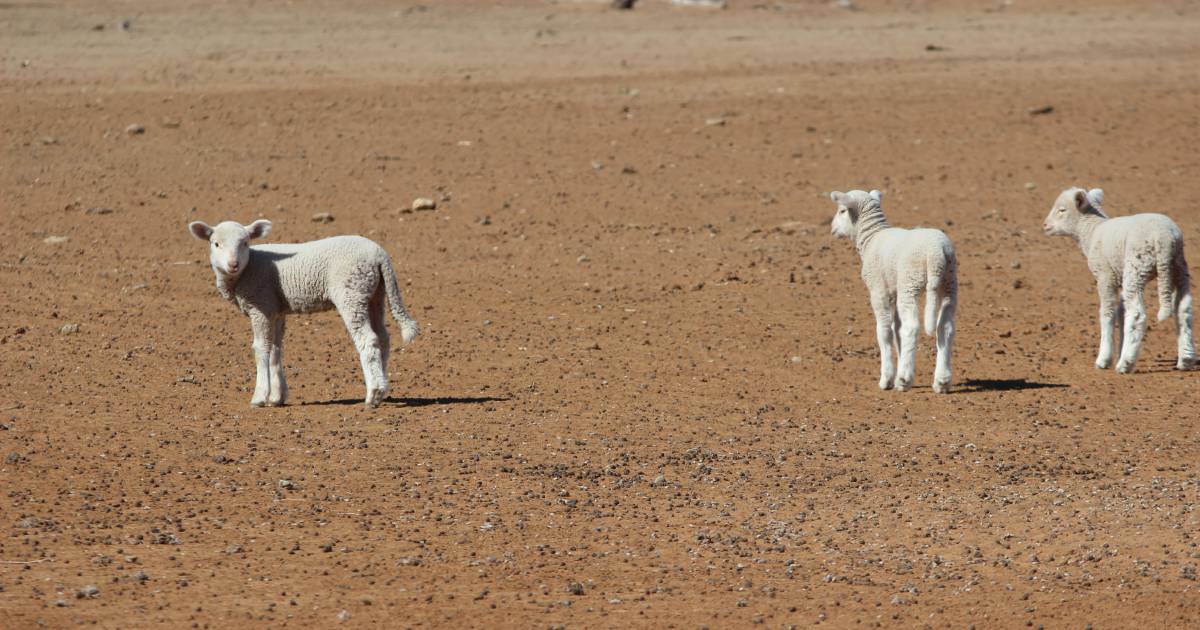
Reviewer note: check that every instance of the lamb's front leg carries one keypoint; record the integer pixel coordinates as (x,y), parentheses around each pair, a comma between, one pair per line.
(884,318)
(910,326)
(279,390)
(262,329)
(1110,307)
(1135,323)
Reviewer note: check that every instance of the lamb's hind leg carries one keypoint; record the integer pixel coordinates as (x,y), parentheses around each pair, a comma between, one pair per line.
(910,326)
(355,313)
(885,316)
(1183,321)
(1133,286)
(379,327)
(279,388)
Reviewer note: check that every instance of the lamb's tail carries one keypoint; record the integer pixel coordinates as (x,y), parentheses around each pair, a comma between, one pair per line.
(941,288)
(1172,278)
(408,325)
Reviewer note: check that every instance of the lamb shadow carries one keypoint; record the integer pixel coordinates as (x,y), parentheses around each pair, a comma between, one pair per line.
(414,402)
(973,385)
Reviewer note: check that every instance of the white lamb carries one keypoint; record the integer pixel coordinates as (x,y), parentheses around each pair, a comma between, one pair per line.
(267,282)
(896,265)
(1124,254)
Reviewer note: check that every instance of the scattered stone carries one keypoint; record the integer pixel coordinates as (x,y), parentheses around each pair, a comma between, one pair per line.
(25,523)
(61,603)
(344,615)
(221,458)
(597,165)
(575,588)
(322,217)
(286,484)
(1030,186)
(55,240)
(846,4)
(1041,111)
(140,577)
(99,210)
(660,480)
(424,203)
(582,259)
(135,129)
(234,548)
(934,48)
(89,591)
(628,170)
(126,24)
(714,122)
(48,140)
(69,329)
(187,379)
(409,561)
(171,123)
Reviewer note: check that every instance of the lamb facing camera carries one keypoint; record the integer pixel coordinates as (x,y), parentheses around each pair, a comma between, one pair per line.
(268,282)
(897,264)
(1125,253)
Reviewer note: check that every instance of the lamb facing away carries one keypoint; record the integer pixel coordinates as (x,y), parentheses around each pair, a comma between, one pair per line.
(1124,254)
(896,265)
(267,282)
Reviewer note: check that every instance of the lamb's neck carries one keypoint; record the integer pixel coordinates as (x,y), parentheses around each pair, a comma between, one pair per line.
(1085,231)
(225,285)
(870,222)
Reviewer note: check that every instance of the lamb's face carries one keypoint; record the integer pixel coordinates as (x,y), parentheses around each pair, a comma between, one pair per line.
(1065,213)
(229,243)
(845,221)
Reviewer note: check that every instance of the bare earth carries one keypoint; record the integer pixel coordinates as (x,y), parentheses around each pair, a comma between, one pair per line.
(646,390)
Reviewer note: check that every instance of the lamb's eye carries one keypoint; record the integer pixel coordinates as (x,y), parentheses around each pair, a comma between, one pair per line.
(217,245)
(1061,210)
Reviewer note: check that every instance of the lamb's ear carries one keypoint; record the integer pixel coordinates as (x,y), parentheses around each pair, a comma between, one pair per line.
(836,196)
(1096,196)
(1081,199)
(200,230)
(259,228)
(877,196)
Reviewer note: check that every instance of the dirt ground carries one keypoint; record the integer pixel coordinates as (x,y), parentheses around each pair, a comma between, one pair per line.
(645,394)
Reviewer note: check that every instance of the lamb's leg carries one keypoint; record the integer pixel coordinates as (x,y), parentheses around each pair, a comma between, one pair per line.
(885,317)
(910,326)
(1110,306)
(379,326)
(279,389)
(357,318)
(945,343)
(262,327)
(1133,285)
(1183,320)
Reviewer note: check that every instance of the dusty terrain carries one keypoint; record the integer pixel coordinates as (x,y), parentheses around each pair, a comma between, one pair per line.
(645,394)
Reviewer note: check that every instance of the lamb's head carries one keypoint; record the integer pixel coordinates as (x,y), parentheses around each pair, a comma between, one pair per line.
(1071,206)
(229,243)
(850,207)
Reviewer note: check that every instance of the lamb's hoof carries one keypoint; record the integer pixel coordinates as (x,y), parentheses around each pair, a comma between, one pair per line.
(942,387)
(1186,364)
(885,384)
(274,403)
(1103,364)
(257,403)
(1124,367)
(903,384)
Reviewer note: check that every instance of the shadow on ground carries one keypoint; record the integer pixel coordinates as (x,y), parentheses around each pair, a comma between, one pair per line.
(974,385)
(415,402)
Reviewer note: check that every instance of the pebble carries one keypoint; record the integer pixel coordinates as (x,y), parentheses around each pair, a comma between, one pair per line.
(88,591)
(234,548)
(1030,186)
(424,203)
(344,615)
(322,217)
(660,480)
(99,210)
(135,129)
(797,359)
(582,259)
(55,240)
(171,123)
(714,122)
(69,329)
(287,484)
(575,588)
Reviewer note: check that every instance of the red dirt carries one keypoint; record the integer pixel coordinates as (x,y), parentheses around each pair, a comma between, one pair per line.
(612,292)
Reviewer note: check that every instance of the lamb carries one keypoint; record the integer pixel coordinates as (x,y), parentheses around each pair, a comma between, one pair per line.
(267,282)
(1125,253)
(896,264)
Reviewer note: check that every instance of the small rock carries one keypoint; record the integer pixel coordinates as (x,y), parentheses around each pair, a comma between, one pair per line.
(126,24)
(575,588)
(934,48)
(322,217)
(55,240)
(13,458)
(99,210)
(582,259)
(234,548)
(344,615)
(140,577)
(286,484)
(409,561)
(424,203)
(1030,186)
(135,129)
(660,480)
(48,140)
(714,122)
(597,165)
(171,123)
(69,329)
(1018,283)
(88,591)
(1016,264)
(61,603)
(187,379)
(1041,111)
(221,458)
(628,170)
(797,359)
